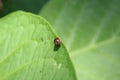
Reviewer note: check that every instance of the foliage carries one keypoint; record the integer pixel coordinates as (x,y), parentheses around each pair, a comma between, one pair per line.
(90,30)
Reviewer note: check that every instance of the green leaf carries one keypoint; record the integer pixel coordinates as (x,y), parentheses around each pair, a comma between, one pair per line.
(91,31)
(27,50)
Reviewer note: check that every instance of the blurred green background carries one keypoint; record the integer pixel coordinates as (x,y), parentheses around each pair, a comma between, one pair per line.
(90,30)
(33,6)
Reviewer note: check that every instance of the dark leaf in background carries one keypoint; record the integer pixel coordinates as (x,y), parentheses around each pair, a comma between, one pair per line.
(33,6)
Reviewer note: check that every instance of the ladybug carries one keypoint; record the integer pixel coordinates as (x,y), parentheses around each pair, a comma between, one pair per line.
(57,41)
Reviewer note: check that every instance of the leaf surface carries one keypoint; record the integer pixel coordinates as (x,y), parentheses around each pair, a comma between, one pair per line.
(28,52)
(91,31)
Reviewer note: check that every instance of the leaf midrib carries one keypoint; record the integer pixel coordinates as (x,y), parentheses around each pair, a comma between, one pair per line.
(89,47)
